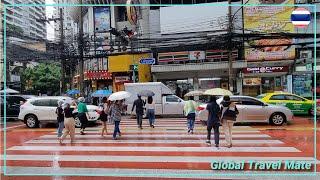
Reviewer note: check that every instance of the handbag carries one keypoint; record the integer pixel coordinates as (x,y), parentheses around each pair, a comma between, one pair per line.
(230,114)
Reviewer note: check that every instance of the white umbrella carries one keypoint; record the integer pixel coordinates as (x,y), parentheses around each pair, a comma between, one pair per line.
(218,92)
(119,95)
(194,93)
(9,91)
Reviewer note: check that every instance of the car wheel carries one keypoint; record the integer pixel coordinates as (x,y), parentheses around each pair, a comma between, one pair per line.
(77,122)
(311,112)
(277,119)
(32,121)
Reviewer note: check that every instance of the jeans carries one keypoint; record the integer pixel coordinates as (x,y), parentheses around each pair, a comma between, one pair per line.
(151,116)
(84,120)
(215,126)
(191,118)
(139,120)
(60,128)
(116,128)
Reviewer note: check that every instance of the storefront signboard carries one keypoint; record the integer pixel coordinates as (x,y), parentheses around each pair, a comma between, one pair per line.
(197,55)
(120,79)
(267,69)
(98,75)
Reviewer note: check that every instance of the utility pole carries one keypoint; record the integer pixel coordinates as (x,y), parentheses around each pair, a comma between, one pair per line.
(230,46)
(81,81)
(62,57)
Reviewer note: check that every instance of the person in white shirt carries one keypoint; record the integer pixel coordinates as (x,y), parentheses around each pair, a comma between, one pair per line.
(150,106)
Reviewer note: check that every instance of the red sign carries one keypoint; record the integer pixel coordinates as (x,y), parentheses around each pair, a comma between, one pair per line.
(98,75)
(267,69)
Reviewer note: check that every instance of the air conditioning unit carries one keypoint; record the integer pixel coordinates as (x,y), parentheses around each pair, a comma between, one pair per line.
(306,54)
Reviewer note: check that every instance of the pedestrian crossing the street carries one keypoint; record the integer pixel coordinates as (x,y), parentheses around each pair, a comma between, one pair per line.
(164,151)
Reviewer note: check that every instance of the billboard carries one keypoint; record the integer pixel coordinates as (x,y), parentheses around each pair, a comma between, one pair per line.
(269,19)
(186,19)
(101,19)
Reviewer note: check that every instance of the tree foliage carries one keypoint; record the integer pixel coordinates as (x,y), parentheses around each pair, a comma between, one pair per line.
(44,78)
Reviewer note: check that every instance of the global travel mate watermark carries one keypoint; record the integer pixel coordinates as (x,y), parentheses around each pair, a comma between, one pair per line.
(261,165)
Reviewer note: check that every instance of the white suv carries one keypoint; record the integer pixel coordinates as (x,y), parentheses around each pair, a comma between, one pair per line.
(43,110)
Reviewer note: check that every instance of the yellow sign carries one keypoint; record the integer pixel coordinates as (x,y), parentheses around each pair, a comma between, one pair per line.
(269,19)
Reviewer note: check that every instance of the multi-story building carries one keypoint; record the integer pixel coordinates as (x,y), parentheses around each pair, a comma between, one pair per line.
(192,53)
(27,18)
(69,26)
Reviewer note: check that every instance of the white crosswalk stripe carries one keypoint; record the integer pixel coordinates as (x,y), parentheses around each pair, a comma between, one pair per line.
(154,152)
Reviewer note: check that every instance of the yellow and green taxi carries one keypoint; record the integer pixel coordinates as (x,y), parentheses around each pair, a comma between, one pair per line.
(297,104)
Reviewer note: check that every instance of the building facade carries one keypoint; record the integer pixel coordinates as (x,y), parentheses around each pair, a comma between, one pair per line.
(27,18)
(191,53)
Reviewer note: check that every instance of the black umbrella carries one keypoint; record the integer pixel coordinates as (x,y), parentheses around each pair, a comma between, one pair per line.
(146,93)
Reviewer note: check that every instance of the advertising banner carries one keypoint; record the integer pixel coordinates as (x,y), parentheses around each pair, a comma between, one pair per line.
(269,19)
(102,19)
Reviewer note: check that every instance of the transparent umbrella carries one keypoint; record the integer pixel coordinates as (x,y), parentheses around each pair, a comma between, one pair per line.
(119,95)
(218,92)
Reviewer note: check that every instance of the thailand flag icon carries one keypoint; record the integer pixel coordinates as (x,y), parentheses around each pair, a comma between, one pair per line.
(300,17)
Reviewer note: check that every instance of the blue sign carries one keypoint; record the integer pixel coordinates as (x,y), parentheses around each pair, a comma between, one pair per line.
(148,61)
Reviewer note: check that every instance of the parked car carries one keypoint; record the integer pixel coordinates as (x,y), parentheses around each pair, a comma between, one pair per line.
(297,104)
(253,110)
(13,103)
(317,108)
(42,110)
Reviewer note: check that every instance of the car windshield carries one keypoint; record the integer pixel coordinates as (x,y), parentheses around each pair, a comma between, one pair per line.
(261,96)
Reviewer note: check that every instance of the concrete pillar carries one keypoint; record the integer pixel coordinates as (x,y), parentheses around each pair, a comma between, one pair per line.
(196,86)
(239,85)
(154,78)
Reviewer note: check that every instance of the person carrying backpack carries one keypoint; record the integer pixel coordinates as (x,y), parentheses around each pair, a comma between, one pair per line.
(229,114)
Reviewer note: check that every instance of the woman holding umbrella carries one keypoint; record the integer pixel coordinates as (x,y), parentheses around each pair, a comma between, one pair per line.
(116,109)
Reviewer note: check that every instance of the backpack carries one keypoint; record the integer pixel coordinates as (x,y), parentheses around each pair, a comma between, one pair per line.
(230,114)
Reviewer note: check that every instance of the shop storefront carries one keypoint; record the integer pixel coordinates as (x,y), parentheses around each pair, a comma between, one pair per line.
(259,80)
(126,68)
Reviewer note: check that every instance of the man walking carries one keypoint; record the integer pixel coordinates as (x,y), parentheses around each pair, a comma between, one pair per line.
(138,104)
(213,121)
(82,114)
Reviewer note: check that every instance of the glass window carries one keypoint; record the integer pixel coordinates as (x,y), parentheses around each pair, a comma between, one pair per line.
(253,102)
(278,97)
(261,96)
(172,98)
(15,99)
(294,98)
(41,102)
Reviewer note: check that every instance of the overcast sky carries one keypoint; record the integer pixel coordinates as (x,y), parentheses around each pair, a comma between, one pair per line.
(49,14)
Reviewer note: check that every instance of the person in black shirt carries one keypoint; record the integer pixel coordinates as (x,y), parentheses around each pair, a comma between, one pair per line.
(69,124)
(60,118)
(138,104)
(213,121)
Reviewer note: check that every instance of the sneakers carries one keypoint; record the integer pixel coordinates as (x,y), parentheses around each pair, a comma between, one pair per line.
(189,131)
(82,133)
(152,126)
(217,145)
(208,143)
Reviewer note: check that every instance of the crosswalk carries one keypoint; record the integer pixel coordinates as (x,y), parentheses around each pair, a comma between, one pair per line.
(164,151)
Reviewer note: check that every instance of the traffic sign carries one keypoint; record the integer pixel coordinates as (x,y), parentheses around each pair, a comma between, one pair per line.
(148,61)
(300,17)
(309,67)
